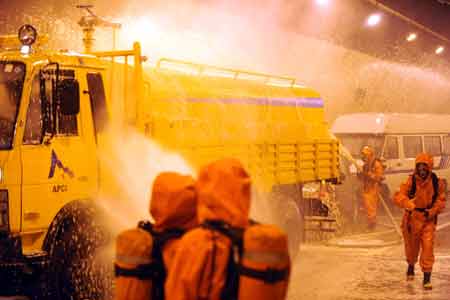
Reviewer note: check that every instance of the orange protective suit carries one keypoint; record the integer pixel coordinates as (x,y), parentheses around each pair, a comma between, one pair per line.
(173,205)
(418,230)
(200,266)
(372,175)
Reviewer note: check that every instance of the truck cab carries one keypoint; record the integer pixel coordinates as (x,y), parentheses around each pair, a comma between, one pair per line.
(52,106)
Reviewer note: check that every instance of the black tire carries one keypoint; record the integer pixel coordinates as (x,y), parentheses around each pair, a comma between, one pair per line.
(294,227)
(74,273)
(288,216)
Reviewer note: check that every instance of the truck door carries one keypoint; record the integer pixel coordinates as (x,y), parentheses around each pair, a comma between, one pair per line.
(109,186)
(97,101)
(56,169)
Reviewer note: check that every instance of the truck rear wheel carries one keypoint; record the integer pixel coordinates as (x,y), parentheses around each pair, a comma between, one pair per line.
(288,216)
(75,273)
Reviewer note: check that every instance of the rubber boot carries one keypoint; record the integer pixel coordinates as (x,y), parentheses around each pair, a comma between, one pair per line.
(410,273)
(427,281)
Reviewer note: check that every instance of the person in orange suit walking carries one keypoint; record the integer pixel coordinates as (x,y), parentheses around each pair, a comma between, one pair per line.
(371,176)
(423,198)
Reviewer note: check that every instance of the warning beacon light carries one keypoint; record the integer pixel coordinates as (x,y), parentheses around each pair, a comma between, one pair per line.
(27,36)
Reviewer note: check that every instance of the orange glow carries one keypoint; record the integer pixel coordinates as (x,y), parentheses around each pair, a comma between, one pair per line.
(373,20)
(323,2)
(411,37)
(440,50)
(162,39)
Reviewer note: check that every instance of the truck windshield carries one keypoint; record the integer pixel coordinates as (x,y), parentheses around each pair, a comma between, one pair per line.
(12,75)
(355,142)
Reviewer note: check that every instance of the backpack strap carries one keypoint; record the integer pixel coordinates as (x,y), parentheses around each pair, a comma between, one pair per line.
(231,287)
(160,239)
(158,269)
(268,276)
(368,167)
(234,267)
(435,181)
(234,234)
(142,272)
(412,190)
(146,269)
(375,160)
(147,226)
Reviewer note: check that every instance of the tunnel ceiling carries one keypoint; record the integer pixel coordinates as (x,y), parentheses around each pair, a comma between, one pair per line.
(344,21)
(388,39)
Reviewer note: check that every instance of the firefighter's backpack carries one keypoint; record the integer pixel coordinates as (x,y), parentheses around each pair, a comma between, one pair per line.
(435,181)
(139,266)
(259,263)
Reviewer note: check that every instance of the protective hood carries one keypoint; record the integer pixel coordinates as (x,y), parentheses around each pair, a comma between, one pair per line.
(426,159)
(223,189)
(174,201)
(368,152)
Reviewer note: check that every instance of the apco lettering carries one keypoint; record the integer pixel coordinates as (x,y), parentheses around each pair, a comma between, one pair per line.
(60,188)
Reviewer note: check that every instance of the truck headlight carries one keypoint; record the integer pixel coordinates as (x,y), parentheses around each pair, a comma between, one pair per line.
(4,210)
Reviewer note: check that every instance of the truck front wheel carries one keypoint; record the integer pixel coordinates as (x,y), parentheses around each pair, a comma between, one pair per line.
(74,272)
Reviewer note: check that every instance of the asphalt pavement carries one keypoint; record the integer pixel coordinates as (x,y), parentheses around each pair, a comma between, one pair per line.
(366,273)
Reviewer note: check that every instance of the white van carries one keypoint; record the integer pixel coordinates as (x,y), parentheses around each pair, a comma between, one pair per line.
(398,138)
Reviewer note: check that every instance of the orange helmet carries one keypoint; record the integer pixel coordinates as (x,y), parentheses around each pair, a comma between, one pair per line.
(367,151)
(174,201)
(426,159)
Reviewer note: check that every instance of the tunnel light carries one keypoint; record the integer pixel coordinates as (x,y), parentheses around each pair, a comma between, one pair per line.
(323,2)
(411,37)
(439,50)
(373,20)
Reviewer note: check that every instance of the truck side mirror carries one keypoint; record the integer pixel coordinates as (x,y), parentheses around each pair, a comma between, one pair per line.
(69,96)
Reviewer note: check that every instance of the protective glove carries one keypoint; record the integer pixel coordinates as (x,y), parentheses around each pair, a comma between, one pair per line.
(430,214)
(410,205)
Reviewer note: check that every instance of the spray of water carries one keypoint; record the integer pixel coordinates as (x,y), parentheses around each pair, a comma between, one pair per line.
(134,161)
(283,37)
(266,37)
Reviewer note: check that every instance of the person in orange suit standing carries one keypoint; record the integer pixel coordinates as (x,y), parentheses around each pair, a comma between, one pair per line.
(144,254)
(174,209)
(199,270)
(423,198)
(371,176)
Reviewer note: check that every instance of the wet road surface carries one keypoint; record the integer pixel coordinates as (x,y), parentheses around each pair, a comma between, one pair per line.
(333,273)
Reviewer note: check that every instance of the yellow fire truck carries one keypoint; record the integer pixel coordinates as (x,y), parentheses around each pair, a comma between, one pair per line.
(57,110)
